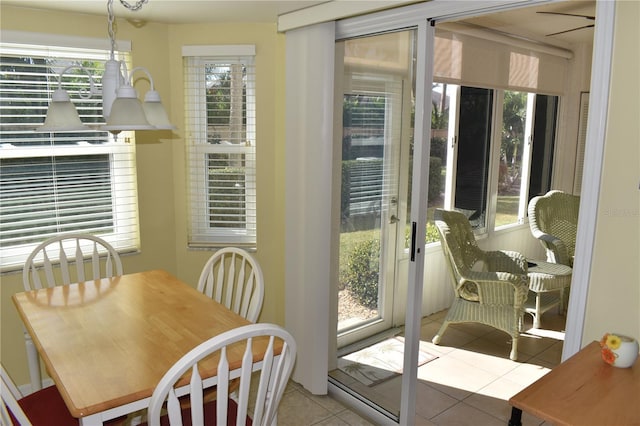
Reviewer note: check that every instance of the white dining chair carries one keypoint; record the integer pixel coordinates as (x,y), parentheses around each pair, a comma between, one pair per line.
(44,407)
(260,391)
(65,259)
(233,277)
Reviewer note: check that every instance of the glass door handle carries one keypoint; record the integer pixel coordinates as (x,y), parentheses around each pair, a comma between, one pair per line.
(393,219)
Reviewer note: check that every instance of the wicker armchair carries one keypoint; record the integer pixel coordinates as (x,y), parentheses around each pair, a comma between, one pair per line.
(490,286)
(553,219)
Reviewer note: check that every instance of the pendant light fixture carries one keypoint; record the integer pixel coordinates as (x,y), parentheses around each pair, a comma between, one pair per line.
(121,108)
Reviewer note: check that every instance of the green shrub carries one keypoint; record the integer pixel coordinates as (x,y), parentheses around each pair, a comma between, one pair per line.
(436,180)
(431,235)
(362,272)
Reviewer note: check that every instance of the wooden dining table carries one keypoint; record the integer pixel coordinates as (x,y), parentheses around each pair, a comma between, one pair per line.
(107,343)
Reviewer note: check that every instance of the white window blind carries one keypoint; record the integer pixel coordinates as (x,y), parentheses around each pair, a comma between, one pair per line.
(221,140)
(52,183)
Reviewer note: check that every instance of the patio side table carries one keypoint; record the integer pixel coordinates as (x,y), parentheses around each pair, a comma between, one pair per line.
(548,287)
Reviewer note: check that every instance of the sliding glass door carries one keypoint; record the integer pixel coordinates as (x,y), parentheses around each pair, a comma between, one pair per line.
(377,105)
(381,238)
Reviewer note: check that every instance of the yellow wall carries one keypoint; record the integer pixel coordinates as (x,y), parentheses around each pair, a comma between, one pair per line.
(161,155)
(614,293)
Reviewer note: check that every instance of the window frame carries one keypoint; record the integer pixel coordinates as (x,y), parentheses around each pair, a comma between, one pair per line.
(200,232)
(494,156)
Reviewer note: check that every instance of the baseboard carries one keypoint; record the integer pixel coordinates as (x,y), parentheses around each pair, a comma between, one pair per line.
(26,389)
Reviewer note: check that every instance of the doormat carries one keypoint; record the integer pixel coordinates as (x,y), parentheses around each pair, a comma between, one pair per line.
(382,361)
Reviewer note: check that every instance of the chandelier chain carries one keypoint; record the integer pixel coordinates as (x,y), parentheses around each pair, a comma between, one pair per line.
(112,29)
(112,22)
(134,7)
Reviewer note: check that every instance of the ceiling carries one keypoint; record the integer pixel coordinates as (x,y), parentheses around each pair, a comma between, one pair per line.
(524,22)
(178,11)
(530,24)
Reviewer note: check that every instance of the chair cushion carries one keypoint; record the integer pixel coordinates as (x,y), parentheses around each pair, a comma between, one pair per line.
(46,407)
(469,291)
(209,415)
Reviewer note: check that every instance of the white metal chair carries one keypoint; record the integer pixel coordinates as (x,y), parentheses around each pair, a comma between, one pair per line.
(65,259)
(234,278)
(184,379)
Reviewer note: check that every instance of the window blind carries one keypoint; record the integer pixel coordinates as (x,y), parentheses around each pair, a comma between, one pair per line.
(480,62)
(52,183)
(221,140)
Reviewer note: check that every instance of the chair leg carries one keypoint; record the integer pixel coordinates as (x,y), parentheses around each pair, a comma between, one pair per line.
(536,317)
(564,299)
(514,349)
(34,363)
(437,337)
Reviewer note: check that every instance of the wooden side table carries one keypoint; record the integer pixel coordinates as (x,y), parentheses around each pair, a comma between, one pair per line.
(583,390)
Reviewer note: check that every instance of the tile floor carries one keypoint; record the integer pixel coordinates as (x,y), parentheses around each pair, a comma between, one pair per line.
(469,384)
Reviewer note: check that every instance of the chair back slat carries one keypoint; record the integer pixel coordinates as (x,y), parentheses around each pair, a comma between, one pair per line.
(265,389)
(109,266)
(219,283)
(247,290)
(245,381)
(240,287)
(222,389)
(231,280)
(197,397)
(79,264)
(64,265)
(48,269)
(95,262)
(173,409)
(33,277)
(234,278)
(273,377)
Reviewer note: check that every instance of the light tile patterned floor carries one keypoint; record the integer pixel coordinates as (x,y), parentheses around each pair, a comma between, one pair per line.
(469,384)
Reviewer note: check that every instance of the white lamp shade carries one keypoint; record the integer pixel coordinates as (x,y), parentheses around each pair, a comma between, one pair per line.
(61,115)
(127,113)
(155,112)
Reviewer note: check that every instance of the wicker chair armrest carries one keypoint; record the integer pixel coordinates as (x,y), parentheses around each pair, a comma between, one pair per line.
(506,261)
(548,238)
(499,288)
(557,247)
